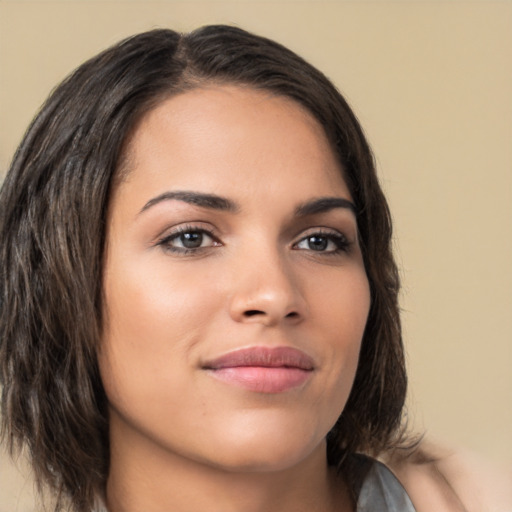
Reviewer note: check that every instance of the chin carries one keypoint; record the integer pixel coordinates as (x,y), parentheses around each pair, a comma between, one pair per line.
(264,461)
(266,448)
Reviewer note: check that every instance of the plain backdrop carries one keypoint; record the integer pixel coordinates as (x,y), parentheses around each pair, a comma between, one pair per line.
(431,82)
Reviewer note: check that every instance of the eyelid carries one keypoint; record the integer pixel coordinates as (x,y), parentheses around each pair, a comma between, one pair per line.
(320,230)
(182,227)
(333,234)
(197,227)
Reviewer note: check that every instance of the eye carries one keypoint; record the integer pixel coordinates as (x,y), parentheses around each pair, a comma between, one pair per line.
(326,242)
(188,240)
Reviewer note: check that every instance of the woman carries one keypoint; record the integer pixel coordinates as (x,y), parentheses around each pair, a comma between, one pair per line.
(199,299)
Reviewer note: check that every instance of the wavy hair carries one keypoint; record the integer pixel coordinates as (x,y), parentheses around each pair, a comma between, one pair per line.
(53,206)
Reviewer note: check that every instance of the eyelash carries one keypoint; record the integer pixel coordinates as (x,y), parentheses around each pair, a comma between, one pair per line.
(166,241)
(340,241)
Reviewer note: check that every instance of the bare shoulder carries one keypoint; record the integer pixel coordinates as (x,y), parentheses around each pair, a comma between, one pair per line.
(439,479)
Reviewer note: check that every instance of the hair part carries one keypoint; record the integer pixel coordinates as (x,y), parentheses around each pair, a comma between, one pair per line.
(54,203)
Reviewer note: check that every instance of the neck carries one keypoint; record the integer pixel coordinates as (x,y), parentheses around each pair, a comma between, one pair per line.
(149,479)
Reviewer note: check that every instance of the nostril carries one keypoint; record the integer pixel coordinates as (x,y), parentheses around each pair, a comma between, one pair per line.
(253,312)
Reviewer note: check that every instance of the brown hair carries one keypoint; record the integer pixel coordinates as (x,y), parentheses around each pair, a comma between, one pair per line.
(52,226)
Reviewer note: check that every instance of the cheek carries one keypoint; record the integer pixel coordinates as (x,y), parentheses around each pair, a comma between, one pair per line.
(348,322)
(151,327)
(152,303)
(341,308)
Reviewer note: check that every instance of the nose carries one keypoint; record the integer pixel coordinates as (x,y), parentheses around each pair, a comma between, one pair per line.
(267,291)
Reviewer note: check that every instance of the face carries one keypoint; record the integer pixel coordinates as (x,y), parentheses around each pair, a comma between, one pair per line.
(235,292)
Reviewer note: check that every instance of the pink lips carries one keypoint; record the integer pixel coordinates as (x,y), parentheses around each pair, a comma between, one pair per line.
(263,369)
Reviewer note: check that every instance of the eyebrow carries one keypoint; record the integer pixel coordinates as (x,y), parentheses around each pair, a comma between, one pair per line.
(323,205)
(211,201)
(215,202)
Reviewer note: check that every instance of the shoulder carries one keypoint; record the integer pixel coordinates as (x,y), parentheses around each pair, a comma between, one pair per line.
(439,479)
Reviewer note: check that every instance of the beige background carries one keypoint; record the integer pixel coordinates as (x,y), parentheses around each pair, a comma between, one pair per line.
(432,84)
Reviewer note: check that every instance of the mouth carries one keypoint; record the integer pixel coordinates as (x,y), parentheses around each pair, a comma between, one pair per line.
(262,369)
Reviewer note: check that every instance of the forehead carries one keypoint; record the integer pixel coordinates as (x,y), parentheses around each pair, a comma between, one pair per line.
(231,135)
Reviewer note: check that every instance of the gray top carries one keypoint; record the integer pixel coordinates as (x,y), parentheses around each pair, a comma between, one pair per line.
(380,492)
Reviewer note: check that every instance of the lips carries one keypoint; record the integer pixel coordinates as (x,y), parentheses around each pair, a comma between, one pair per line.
(263,369)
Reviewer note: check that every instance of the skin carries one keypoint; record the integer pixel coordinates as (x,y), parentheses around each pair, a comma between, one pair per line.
(181,439)
(452,480)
